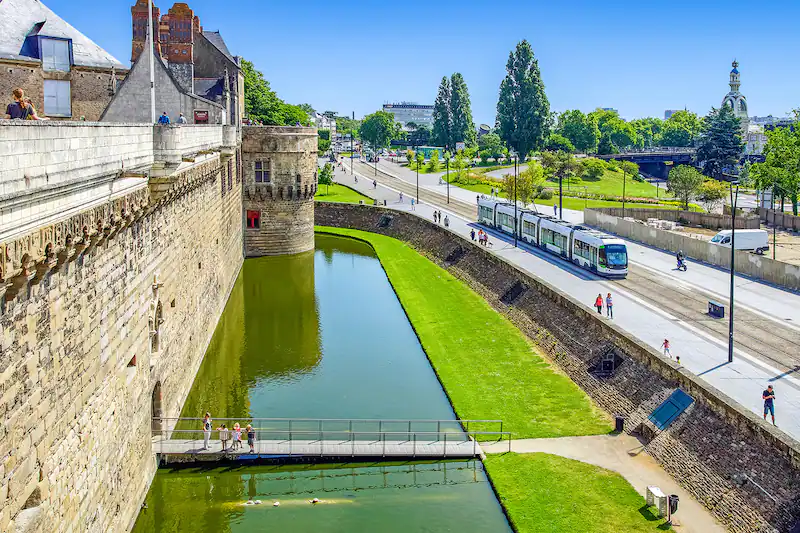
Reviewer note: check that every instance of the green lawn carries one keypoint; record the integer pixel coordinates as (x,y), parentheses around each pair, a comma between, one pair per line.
(545,493)
(487,366)
(578,204)
(611,183)
(340,193)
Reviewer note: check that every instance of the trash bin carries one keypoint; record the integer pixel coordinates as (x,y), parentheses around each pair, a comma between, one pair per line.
(673,504)
(619,424)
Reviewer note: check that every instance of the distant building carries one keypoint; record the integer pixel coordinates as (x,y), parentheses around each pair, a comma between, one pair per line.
(736,100)
(483,129)
(405,112)
(669,112)
(195,73)
(609,109)
(323,121)
(66,75)
(770,123)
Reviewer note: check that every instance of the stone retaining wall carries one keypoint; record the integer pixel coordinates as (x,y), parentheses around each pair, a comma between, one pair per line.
(689,218)
(708,449)
(93,348)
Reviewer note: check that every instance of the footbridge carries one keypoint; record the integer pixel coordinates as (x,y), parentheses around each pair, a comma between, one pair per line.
(182,440)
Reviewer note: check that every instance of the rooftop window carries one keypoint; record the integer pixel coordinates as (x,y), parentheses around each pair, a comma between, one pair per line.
(55,54)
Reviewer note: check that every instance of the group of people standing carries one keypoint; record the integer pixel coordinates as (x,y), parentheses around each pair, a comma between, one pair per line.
(598,303)
(483,237)
(437,217)
(226,434)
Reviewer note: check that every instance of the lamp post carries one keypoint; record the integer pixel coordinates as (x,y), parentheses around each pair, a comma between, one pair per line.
(352,150)
(734,199)
(447,165)
(417,180)
(585,196)
(624,182)
(515,201)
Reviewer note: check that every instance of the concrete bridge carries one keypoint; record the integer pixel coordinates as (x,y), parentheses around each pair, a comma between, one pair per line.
(656,161)
(178,440)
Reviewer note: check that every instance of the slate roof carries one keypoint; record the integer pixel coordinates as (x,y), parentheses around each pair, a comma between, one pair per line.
(208,87)
(20,18)
(219,43)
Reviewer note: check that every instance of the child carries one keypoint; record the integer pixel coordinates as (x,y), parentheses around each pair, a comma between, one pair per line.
(237,436)
(665,345)
(251,438)
(224,435)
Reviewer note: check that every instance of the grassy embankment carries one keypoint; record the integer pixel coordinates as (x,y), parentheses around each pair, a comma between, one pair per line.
(491,371)
(340,193)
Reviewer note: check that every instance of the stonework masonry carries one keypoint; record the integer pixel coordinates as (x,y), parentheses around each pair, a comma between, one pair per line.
(715,449)
(104,332)
(280,180)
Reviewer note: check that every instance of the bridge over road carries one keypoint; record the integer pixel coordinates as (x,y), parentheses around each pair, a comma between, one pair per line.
(657,160)
(181,440)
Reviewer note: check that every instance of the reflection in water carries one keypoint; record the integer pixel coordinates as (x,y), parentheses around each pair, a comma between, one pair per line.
(449,496)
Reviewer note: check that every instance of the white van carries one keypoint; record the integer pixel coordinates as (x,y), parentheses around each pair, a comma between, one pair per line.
(754,240)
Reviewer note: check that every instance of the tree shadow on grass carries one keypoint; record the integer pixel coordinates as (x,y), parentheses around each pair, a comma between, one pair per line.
(649,514)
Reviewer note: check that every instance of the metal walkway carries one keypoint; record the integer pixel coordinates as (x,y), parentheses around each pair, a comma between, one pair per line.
(177,440)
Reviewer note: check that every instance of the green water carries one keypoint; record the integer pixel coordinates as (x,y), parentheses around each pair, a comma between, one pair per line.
(319,335)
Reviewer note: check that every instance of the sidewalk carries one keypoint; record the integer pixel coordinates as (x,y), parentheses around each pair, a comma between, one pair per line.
(705,355)
(623,454)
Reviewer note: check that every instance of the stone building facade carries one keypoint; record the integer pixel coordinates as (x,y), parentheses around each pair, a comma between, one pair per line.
(106,313)
(66,75)
(280,180)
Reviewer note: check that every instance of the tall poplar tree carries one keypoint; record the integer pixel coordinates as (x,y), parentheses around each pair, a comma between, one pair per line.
(462,128)
(720,145)
(442,120)
(523,112)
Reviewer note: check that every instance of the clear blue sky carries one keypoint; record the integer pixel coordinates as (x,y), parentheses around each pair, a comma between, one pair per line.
(638,57)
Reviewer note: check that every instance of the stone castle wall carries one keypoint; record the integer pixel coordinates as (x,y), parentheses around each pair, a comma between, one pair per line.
(284,199)
(106,331)
(711,446)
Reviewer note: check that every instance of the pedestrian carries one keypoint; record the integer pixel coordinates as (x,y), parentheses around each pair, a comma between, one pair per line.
(181,119)
(412,205)
(472,235)
(251,438)
(237,436)
(206,430)
(384,202)
(555,210)
(477,198)
(446,221)
(609,306)
(355,178)
(163,119)
(224,436)
(769,403)
(19,110)
(665,345)
(401,197)
(598,303)
(374,184)
(29,103)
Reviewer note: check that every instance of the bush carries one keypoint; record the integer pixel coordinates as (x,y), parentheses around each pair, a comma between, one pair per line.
(612,165)
(546,194)
(594,169)
(639,178)
(485,155)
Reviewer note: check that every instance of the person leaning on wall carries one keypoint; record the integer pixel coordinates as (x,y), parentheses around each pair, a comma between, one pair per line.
(20,109)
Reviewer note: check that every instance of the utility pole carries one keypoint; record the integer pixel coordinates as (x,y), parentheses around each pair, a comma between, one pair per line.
(152,62)
(774,226)
(624,181)
(447,164)
(515,201)
(352,150)
(734,200)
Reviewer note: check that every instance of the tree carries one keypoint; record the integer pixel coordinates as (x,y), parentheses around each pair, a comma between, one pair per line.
(293,114)
(615,133)
(418,135)
(648,129)
(558,143)
(491,142)
(409,157)
(433,162)
(680,129)
(442,119)
(720,145)
(378,129)
(606,147)
(462,129)
(261,103)
(684,182)
(781,167)
(580,129)
(325,176)
(629,168)
(345,125)
(420,159)
(593,169)
(459,166)
(712,193)
(323,145)
(523,112)
(307,109)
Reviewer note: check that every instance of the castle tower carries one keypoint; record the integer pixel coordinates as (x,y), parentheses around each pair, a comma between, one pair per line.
(178,49)
(736,100)
(279,183)
(139,16)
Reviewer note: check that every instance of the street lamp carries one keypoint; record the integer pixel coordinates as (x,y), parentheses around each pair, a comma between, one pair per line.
(624,182)
(352,150)
(585,196)
(734,200)
(515,201)
(447,165)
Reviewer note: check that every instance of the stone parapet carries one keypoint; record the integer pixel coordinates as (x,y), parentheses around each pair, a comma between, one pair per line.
(280,180)
(715,449)
(173,142)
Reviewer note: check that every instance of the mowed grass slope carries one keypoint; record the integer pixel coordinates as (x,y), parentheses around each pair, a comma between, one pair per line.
(545,493)
(340,193)
(487,366)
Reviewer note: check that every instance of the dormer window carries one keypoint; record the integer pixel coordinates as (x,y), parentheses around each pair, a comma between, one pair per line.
(55,54)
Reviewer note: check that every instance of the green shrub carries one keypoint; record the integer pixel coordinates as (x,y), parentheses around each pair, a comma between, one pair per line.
(546,194)
(612,165)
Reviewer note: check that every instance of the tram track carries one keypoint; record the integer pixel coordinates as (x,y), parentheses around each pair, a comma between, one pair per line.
(764,338)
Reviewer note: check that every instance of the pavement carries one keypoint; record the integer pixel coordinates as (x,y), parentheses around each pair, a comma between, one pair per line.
(625,455)
(644,315)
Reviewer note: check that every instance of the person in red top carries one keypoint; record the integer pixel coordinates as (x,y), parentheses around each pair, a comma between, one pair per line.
(665,345)
(598,303)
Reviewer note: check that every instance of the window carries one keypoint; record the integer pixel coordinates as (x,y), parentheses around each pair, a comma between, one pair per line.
(253,219)
(262,172)
(55,54)
(486,212)
(529,228)
(230,174)
(57,98)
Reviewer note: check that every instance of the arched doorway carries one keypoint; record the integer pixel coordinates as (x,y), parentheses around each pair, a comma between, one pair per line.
(156,410)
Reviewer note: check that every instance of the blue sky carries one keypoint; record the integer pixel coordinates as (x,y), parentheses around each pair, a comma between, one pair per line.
(638,57)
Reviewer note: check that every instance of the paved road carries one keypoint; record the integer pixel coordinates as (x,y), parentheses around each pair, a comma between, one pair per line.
(653,303)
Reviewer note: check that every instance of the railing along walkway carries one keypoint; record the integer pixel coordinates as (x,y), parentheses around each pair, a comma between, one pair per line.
(324,439)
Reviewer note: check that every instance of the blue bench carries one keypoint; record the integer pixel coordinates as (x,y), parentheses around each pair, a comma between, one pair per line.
(716,309)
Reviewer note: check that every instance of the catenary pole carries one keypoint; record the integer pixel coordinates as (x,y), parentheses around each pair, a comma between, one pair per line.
(151,52)
(515,201)
(733,270)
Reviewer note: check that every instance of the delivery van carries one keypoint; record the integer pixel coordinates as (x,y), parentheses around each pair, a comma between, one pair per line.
(754,240)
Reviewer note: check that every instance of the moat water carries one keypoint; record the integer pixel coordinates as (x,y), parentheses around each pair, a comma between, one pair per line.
(319,335)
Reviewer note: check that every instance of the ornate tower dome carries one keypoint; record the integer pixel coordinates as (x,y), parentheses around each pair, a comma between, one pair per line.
(736,100)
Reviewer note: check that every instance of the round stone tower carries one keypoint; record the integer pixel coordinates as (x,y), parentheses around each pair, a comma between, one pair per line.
(280,180)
